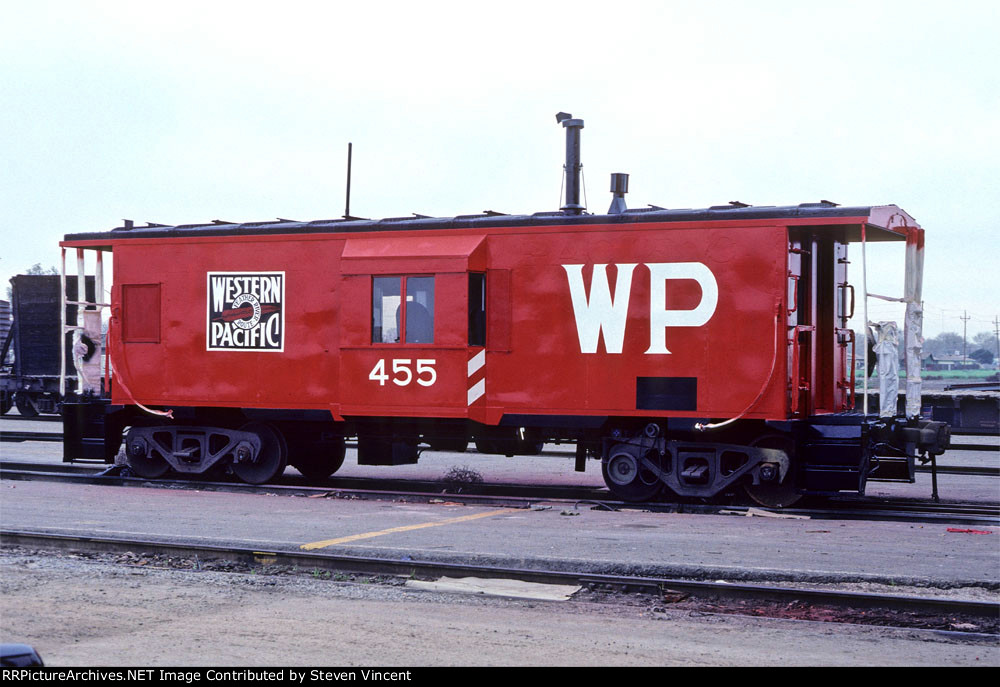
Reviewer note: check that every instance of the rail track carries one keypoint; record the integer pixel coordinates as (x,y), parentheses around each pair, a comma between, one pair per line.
(969,618)
(19,436)
(22,435)
(521,495)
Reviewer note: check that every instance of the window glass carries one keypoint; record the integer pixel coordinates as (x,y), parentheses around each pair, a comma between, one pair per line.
(419,310)
(477,309)
(396,297)
(385,303)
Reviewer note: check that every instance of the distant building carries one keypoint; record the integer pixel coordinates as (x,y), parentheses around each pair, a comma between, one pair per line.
(948,362)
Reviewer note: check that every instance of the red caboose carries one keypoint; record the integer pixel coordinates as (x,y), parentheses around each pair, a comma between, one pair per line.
(692,350)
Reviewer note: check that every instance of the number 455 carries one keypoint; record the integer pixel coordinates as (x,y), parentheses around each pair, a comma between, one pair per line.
(426,375)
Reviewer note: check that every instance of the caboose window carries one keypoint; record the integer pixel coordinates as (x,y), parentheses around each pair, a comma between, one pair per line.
(419,309)
(477,309)
(403,309)
(385,302)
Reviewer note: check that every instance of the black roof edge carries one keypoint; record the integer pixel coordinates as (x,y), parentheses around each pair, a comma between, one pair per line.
(356,225)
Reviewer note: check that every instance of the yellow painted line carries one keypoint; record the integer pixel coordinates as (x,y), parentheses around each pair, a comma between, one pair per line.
(405,528)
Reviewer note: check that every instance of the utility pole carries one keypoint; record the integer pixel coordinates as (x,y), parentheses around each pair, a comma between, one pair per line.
(965,325)
(996,332)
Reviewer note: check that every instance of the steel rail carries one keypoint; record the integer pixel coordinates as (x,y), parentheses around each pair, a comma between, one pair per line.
(969,470)
(973,447)
(343,489)
(41,417)
(527,496)
(30,436)
(54,436)
(398,567)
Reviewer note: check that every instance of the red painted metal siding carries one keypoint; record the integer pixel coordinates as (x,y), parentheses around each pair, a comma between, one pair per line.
(731,354)
(181,371)
(534,362)
(141,313)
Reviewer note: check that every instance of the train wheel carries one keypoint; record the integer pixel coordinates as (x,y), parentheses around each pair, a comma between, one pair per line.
(5,403)
(775,495)
(317,459)
(271,460)
(148,464)
(626,477)
(25,404)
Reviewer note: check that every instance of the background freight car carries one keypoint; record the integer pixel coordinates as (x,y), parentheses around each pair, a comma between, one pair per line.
(29,377)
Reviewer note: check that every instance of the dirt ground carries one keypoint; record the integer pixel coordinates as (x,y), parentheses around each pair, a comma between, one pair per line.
(84,611)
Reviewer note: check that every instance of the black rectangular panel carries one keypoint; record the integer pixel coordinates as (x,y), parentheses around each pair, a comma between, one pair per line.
(666,393)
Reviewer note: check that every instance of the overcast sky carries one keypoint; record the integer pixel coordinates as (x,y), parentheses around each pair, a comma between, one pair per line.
(183,112)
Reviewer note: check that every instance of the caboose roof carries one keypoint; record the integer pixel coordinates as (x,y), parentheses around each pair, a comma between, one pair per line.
(882,222)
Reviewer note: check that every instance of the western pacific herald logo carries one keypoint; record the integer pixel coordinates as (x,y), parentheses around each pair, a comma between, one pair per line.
(246,311)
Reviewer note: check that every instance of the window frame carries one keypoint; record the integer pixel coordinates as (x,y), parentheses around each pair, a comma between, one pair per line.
(403,280)
(477,326)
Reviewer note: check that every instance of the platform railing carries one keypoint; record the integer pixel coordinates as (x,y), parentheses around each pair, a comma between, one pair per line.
(87,323)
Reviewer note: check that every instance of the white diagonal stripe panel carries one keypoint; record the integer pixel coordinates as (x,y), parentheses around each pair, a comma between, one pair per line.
(477,362)
(477,390)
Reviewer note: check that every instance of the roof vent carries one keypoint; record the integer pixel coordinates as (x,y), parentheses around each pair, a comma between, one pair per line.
(619,187)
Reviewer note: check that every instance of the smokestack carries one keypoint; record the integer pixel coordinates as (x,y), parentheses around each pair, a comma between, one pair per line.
(619,187)
(573,165)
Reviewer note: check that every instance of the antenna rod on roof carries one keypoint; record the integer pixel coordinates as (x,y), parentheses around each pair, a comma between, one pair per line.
(347,208)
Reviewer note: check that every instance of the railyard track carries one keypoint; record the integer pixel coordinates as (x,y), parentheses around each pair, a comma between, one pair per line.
(970,618)
(19,436)
(22,435)
(34,418)
(522,496)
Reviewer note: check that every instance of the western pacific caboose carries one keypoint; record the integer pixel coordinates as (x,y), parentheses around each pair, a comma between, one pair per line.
(690,350)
